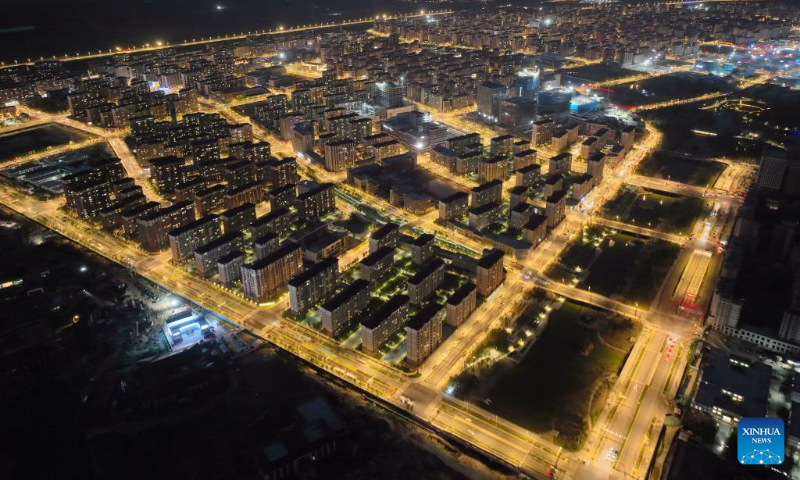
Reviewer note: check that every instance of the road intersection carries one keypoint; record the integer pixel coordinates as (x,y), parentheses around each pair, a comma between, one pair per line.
(620,442)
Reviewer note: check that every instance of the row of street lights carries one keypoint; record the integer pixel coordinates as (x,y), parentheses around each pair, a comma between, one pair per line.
(159,44)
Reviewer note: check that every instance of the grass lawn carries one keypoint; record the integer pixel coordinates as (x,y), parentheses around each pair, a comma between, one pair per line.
(37,139)
(578,255)
(596,73)
(667,87)
(654,209)
(679,169)
(552,387)
(631,270)
(627,268)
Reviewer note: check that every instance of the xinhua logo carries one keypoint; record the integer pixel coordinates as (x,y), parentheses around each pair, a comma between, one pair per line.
(760,441)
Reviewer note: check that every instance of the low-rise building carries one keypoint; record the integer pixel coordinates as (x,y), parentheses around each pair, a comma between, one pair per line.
(731,387)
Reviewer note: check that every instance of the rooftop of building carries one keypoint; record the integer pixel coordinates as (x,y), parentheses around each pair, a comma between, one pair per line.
(213,189)
(535,221)
(530,168)
(376,256)
(167,210)
(208,247)
(271,216)
(485,208)
(204,220)
(461,293)
(242,188)
(315,190)
(385,310)
(423,240)
(425,271)
(168,160)
(346,294)
(313,271)
(237,210)
(748,379)
(488,185)
(285,249)
(490,258)
(423,316)
(384,230)
(556,196)
(230,257)
(266,239)
(521,207)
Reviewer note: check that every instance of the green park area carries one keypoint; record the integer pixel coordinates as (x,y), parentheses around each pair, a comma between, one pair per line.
(675,86)
(701,173)
(598,72)
(654,209)
(37,140)
(616,265)
(560,385)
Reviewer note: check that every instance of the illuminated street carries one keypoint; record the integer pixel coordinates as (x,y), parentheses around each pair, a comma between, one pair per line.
(363,179)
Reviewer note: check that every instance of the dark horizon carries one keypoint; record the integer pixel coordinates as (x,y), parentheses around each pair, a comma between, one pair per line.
(41,28)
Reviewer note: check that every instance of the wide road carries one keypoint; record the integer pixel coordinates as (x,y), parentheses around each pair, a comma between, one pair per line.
(159,45)
(510,443)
